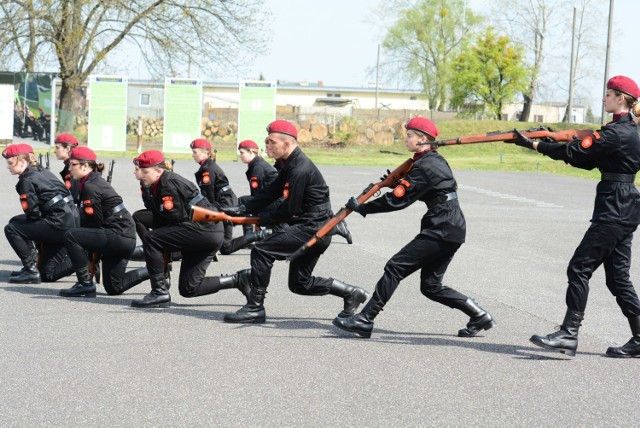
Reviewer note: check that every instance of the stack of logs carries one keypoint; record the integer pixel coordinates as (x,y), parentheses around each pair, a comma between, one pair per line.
(311,131)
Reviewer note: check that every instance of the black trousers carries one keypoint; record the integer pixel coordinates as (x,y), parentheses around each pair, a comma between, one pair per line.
(286,240)
(197,244)
(610,245)
(144,221)
(22,234)
(432,256)
(114,248)
(228,244)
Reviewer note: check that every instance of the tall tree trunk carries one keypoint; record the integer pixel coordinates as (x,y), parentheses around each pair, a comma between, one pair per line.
(67,107)
(526,108)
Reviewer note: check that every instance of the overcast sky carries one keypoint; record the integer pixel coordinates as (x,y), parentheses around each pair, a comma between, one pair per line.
(334,41)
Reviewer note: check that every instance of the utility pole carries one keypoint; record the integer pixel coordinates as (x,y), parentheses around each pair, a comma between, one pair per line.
(377,71)
(607,60)
(572,69)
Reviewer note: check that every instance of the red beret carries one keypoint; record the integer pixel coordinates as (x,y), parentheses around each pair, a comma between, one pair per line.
(82,153)
(67,139)
(200,143)
(625,85)
(283,127)
(149,158)
(423,125)
(16,149)
(248,144)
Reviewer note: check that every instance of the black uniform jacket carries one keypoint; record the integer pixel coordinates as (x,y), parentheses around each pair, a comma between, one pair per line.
(37,188)
(97,202)
(615,148)
(170,199)
(304,193)
(69,182)
(260,174)
(214,184)
(429,179)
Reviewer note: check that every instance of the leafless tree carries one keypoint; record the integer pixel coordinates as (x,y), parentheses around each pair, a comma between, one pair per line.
(529,23)
(80,34)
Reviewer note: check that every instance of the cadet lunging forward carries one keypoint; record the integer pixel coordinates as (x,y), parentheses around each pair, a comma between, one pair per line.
(443,231)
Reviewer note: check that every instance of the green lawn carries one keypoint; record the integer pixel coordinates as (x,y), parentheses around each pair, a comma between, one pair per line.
(483,156)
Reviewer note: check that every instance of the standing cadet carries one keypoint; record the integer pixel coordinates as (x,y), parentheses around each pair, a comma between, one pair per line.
(63,145)
(214,185)
(615,151)
(170,199)
(106,228)
(304,209)
(442,232)
(48,213)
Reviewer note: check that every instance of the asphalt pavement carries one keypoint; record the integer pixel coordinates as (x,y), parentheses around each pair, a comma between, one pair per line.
(99,362)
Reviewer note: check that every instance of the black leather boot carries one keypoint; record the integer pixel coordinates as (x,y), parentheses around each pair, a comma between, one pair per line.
(564,340)
(83,288)
(138,254)
(240,280)
(352,296)
(480,319)
(29,273)
(341,229)
(631,349)
(257,236)
(159,296)
(362,323)
(251,313)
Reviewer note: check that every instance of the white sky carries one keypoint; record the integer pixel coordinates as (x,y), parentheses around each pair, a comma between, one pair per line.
(334,41)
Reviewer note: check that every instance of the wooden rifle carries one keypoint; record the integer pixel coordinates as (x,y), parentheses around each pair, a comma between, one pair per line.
(388,181)
(536,133)
(201,215)
(110,174)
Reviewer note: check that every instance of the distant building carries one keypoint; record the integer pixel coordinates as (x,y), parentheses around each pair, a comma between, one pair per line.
(146,98)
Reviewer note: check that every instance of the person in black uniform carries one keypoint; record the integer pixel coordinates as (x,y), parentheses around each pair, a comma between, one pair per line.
(106,228)
(615,151)
(170,200)
(260,174)
(63,145)
(144,218)
(214,185)
(48,213)
(442,232)
(304,209)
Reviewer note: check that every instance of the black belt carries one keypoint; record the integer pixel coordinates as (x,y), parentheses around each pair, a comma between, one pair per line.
(59,198)
(624,178)
(440,199)
(317,208)
(195,200)
(116,209)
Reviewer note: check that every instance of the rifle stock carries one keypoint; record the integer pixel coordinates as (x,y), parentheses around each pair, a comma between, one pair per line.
(200,214)
(372,189)
(491,137)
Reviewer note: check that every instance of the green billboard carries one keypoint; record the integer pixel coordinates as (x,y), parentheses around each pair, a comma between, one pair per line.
(182,114)
(108,113)
(256,110)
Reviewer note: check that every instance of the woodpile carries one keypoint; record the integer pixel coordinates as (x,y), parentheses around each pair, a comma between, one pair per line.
(312,131)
